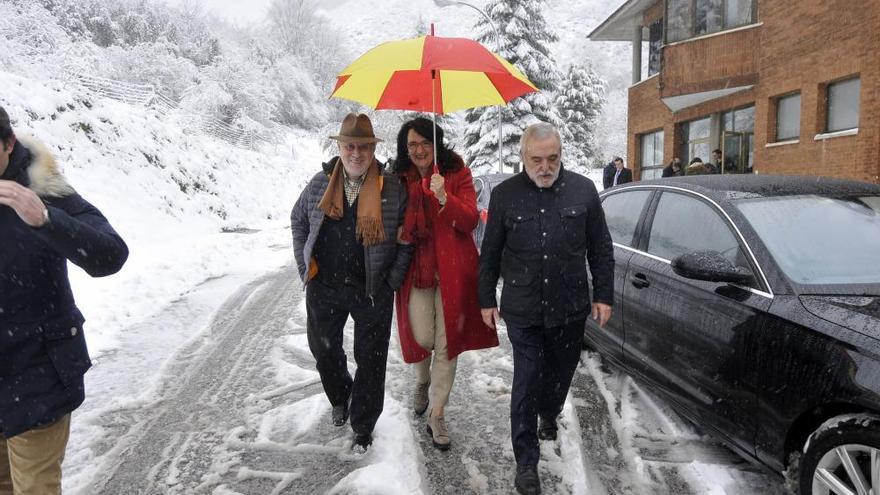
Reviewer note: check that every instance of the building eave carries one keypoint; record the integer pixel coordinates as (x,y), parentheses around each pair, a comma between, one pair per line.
(619,25)
(680,102)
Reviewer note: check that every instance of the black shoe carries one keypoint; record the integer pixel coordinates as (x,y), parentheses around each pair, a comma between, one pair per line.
(362,442)
(527,481)
(547,428)
(340,413)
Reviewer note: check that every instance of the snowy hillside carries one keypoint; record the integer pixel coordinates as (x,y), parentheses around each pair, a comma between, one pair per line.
(170,193)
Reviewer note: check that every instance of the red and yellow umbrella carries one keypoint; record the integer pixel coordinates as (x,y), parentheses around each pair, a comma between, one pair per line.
(431,74)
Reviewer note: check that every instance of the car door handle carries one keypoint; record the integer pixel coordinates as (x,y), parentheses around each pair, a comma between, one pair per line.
(640,281)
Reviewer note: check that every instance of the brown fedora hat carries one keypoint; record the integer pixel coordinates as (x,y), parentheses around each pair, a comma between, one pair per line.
(356,127)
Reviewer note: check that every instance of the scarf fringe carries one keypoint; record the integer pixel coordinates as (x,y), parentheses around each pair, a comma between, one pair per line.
(370,231)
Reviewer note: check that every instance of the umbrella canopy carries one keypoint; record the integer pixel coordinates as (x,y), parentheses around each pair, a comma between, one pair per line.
(431,74)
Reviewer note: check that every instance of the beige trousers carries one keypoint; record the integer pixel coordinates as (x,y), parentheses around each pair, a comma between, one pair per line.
(30,463)
(429,330)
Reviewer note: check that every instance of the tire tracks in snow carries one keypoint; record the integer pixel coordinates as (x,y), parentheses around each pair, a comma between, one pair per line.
(207,390)
(240,410)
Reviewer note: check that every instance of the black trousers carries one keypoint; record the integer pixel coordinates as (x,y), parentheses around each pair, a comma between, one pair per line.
(327,310)
(544,360)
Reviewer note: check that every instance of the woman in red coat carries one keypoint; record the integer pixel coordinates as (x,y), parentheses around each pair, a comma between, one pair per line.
(438,312)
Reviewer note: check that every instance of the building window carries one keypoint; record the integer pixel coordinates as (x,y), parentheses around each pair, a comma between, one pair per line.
(843,105)
(709,18)
(655,47)
(689,18)
(651,166)
(695,140)
(737,141)
(788,117)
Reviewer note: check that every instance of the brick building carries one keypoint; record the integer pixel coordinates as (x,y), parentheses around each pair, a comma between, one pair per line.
(780,86)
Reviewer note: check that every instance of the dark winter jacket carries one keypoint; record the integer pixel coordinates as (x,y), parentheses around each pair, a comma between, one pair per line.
(43,352)
(386,262)
(625,176)
(538,241)
(608,175)
(668,171)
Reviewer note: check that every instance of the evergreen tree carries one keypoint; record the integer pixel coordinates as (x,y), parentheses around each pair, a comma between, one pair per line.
(525,39)
(579,101)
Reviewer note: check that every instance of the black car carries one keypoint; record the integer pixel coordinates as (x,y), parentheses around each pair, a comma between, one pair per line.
(752,303)
(483,185)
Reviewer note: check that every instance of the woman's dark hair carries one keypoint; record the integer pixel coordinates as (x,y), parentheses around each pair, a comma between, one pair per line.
(424,127)
(5,128)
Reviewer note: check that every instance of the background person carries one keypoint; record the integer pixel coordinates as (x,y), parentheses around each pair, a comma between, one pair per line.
(620,174)
(673,169)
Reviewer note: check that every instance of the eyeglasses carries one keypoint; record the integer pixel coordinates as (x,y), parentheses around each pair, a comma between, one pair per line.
(360,148)
(413,146)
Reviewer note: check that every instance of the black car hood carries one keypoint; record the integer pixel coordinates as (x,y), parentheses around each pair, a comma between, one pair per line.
(858,313)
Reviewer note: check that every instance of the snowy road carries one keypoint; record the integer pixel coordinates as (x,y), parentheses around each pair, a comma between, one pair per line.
(240,410)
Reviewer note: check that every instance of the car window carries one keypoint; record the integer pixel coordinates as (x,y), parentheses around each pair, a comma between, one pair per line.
(684,224)
(820,241)
(622,211)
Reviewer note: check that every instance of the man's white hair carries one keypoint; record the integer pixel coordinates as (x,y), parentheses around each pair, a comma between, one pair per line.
(539,130)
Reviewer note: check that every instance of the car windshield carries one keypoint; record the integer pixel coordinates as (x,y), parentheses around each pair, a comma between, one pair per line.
(820,240)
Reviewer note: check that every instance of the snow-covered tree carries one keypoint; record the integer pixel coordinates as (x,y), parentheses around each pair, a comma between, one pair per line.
(525,42)
(579,101)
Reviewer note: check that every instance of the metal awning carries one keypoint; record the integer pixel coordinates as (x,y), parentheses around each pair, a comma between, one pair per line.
(680,102)
(620,25)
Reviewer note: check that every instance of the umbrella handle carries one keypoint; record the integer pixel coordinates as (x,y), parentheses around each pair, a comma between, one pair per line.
(426,181)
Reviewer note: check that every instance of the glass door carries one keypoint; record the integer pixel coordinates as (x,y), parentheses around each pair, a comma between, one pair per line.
(736,150)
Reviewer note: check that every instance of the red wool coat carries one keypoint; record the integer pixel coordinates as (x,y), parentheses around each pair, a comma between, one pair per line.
(457,261)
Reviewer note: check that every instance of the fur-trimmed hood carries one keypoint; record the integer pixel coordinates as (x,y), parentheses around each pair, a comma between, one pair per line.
(44,176)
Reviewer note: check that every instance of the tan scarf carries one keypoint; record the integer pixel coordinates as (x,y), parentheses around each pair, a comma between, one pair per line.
(370,230)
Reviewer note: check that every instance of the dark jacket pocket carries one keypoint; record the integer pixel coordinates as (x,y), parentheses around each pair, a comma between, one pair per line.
(578,290)
(66,346)
(520,294)
(522,232)
(574,225)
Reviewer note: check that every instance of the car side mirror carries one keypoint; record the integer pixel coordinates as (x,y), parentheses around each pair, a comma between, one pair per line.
(711,267)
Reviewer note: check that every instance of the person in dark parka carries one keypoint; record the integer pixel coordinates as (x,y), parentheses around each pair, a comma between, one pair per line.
(43,356)
(345,228)
(673,169)
(545,223)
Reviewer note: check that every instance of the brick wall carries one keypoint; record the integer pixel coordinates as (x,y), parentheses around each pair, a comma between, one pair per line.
(800,46)
(719,61)
(826,41)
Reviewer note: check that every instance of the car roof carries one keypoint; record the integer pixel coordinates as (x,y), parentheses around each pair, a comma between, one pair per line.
(496,179)
(755,186)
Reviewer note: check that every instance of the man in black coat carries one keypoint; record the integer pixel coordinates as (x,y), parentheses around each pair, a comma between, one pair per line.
(44,224)
(345,226)
(619,174)
(544,223)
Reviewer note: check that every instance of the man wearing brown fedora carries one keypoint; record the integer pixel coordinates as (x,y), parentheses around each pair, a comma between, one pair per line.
(345,226)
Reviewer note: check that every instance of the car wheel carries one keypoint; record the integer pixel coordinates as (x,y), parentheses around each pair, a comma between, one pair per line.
(842,457)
